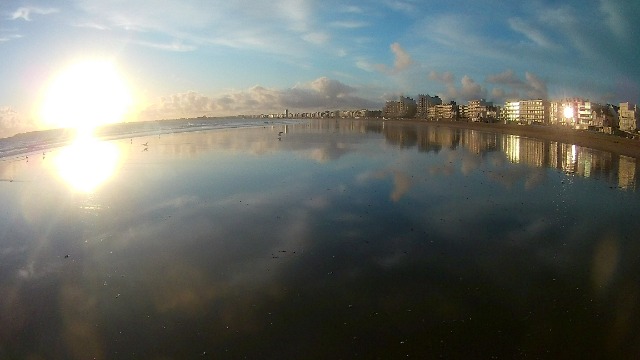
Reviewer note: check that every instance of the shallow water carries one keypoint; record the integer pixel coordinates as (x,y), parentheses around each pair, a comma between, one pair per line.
(336,239)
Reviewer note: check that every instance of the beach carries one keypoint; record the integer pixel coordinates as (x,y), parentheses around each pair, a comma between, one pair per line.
(320,239)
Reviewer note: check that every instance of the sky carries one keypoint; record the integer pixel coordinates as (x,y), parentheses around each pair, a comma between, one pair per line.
(189,58)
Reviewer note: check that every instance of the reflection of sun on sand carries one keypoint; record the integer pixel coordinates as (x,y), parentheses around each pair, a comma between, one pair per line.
(87,163)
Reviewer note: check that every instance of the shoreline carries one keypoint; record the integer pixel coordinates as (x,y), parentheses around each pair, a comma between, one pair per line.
(585,138)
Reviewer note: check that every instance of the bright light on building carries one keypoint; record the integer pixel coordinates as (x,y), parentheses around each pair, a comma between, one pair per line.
(568,112)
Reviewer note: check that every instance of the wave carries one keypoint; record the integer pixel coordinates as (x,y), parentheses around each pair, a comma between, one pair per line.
(39,141)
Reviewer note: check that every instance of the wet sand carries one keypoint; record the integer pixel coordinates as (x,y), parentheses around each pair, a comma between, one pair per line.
(595,140)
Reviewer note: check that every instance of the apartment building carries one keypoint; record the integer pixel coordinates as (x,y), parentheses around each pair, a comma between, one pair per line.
(577,113)
(425,102)
(404,107)
(480,110)
(628,116)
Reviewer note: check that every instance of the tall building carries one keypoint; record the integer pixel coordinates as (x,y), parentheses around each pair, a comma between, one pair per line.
(628,116)
(573,112)
(404,107)
(479,110)
(533,111)
(424,103)
(511,111)
(444,111)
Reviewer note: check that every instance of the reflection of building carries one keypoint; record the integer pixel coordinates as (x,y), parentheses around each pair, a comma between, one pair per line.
(524,150)
(425,102)
(628,116)
(568,158)
(627,173)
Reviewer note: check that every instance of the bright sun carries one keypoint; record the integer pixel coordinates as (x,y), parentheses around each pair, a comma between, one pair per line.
(86,95)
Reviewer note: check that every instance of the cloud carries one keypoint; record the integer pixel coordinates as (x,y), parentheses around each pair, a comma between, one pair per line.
(176,46)
(349,24)
(537,86)
(8,117)
(317,38)
(399,5)
(9,37)
(25,13)
(402,61)
(531,87)
(12,122)
(280,26)
(469,89)
(508,77)
(320,94)
(533,34)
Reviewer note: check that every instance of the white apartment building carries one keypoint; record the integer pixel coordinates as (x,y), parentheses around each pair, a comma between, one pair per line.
(628,116)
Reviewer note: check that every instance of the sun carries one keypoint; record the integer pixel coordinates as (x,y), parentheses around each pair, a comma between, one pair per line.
(85,95)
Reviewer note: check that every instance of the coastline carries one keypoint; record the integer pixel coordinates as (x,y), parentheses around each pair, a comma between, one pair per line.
(590,139)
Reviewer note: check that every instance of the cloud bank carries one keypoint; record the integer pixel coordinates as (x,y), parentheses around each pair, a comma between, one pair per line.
(318,95)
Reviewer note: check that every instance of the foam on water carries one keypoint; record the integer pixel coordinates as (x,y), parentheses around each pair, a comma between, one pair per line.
(38,141)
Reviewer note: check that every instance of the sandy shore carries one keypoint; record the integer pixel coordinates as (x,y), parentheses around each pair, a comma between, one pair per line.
(590,139)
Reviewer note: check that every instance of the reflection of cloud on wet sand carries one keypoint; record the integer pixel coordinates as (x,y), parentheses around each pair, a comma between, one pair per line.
(401,181)
(509,176)
(79,313)
(332,151)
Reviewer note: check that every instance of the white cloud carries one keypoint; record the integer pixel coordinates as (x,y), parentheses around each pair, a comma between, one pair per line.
(471,90)
(533,34)
(320,94)
(174,46)
(402,61)
(317,38)
(270,26)
(9,37)
(349,24)
(25,13)
(399,5)
(12,122)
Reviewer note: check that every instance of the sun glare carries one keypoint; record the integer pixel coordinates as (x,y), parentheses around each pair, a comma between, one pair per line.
(87,163)
(568,112)
(86,95)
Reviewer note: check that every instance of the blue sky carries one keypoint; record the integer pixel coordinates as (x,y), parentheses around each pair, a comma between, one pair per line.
(183,58)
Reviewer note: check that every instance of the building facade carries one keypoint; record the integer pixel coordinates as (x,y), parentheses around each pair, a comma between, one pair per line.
(628,116)
(444,112)
(576,113)
(534,111)
(425,102)
(481,110)
(404,107)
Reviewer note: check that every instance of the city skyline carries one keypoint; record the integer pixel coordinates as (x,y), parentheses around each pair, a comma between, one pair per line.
(186,59)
